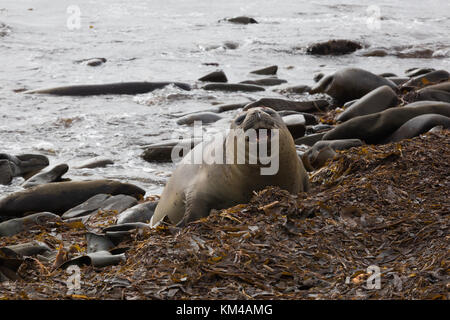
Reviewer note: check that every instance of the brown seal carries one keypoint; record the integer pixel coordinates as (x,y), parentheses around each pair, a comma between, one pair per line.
(196,188)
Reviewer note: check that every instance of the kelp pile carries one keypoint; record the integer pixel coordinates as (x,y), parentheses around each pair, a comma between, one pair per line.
(382,208)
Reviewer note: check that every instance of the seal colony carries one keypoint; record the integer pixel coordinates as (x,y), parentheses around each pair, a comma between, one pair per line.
(347,112)
(355,107)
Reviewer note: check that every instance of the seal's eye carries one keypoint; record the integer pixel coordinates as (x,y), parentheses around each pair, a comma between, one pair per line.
(269,112)
(240,119)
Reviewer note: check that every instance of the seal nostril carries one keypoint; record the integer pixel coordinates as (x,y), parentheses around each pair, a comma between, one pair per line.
(258,115)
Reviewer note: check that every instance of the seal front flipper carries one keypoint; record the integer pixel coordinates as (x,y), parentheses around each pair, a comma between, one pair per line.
(196,206)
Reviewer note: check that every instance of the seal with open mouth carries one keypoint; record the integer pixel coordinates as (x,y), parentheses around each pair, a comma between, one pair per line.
(230,170)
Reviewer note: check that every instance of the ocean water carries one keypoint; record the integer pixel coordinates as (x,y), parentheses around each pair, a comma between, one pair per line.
(40,42)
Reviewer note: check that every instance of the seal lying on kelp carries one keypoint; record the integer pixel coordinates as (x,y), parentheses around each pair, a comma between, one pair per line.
(196,188)
(58,197)
(376,127)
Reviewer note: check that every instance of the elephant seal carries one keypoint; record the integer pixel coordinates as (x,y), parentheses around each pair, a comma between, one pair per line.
(233,87)
(24,165)
(423,80)
(374,128)
(414,72)
(292,105)
(418,125)
(197,187)
(387,75)
(316,156)
(432,95)
(398,80)
(350,83)
(204,117)
(53,175)
(59,197)
(376,100)
(443,86)
(265,82)
(97,162)
(109,88)
(242,20)
(6,173)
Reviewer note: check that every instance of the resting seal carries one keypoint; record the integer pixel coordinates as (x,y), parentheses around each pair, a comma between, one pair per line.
(58,197)
(109,88)
(374,128)
(194,189)
(316,156)
(350,83)
(25,165)
(376,100)
(418,125)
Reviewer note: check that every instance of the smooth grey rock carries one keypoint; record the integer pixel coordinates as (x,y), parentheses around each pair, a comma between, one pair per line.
(53,175)
(28,249)
(216,76)
(14,226)
(162,152)
(140,213)
(103,202)
(296,125)
(310,140)
(272,70)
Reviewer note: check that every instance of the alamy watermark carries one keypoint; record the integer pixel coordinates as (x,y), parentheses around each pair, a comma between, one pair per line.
(373,20)
(374,280)
(73,22)
(73,283)
(235,146)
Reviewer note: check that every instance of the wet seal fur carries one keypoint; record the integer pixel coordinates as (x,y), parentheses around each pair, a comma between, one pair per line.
(25,165)
(374,128)
(58,197)
(194,189)
(350,83)
(316,156)
(376,100)
(418,125)
(109,88)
